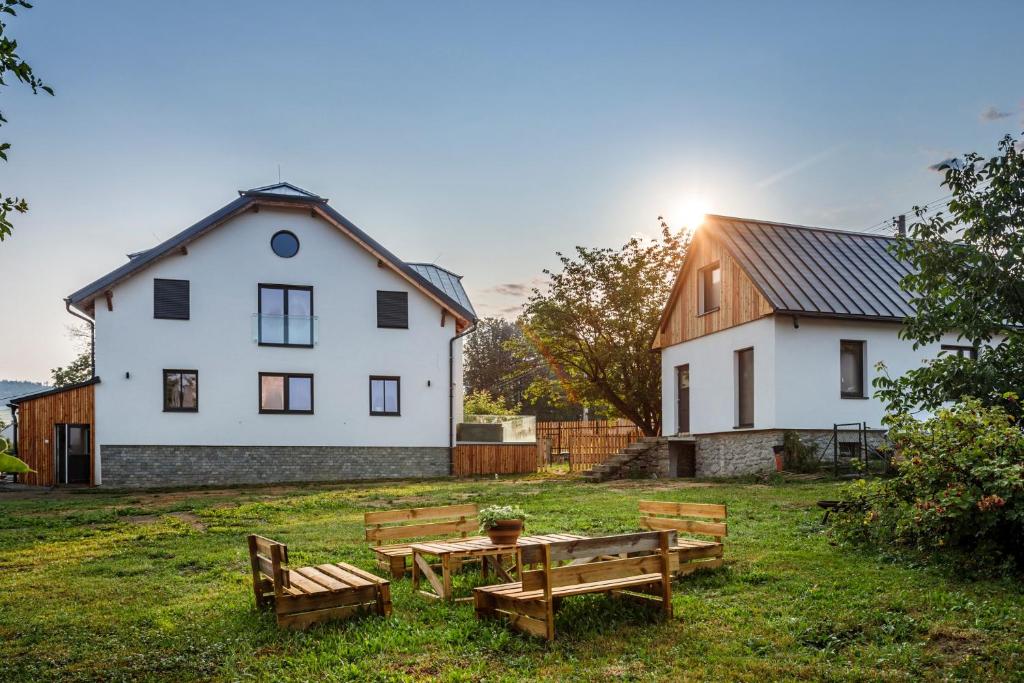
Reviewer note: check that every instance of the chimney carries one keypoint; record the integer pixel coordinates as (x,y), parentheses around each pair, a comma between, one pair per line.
(901,225)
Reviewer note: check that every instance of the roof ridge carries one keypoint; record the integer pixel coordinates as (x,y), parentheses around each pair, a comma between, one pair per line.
(434,265)
(830,231)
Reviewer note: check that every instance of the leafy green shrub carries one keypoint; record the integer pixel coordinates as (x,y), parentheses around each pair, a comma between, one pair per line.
(481,402)
(798,456)
(958,489)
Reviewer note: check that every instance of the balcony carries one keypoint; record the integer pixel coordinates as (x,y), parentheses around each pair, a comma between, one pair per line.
(285,330)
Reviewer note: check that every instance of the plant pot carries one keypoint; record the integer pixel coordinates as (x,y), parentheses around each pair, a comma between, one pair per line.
(505,531)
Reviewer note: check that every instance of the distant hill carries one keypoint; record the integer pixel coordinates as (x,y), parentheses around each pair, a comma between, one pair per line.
(10,388)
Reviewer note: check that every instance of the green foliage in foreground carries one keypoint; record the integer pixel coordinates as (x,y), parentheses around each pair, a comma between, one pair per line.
(958,493)
(140,586)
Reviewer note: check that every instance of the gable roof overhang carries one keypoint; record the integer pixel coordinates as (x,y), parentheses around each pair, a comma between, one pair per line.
(15,401)
(248,199)
(806,271)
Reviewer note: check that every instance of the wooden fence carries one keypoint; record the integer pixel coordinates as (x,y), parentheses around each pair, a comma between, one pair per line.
(584,444)
(587,450)
(471,459)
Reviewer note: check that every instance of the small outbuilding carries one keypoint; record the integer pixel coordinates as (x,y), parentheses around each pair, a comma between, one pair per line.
(53,434)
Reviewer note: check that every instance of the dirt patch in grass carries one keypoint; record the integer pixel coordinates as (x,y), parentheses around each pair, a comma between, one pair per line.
(190,518)
(142,520)
(625,485)
(953,644)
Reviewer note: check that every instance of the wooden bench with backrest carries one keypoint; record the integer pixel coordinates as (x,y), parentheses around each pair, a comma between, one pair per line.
(451,521)
(593,566)
(694,553)
(307,595)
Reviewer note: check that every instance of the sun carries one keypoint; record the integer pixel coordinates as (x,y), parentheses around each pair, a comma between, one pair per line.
(689,212)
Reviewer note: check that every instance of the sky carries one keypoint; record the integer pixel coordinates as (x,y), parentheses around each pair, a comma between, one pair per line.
(481,136)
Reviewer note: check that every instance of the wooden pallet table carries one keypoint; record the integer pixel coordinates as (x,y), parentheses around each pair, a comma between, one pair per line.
(450,554)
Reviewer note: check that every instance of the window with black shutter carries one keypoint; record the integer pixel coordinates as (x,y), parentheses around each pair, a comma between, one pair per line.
(393,309)
(170,299)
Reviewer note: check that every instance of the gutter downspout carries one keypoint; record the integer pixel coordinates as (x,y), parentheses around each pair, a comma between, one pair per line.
(92,336)
(451,395)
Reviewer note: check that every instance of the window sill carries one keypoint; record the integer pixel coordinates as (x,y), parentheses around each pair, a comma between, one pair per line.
(709,312)
(372,414)
(286,346)
(181,410)
(853,398)
(286,412)
(750,426)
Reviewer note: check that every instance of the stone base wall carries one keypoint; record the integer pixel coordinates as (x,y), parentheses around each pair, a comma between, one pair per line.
(651,464)
(160,466)
(751,452)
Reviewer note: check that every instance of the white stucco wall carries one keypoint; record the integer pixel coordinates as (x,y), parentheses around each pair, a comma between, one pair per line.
(796,373)
(713,378)
(807,368)
(224,268)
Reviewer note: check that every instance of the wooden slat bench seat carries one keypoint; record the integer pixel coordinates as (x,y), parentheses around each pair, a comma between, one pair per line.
(304,596)
(645,574)
(448,522)
(693,553)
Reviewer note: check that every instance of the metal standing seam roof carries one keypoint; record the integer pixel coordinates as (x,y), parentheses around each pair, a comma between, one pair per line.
(279,192)
(446,280)
(815,271)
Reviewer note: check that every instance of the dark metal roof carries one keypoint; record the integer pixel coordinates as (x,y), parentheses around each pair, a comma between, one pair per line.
(49,392)
(446,280)
(817,272)
(247,199)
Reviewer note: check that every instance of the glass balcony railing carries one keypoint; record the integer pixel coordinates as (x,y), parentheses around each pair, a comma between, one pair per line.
(285,330)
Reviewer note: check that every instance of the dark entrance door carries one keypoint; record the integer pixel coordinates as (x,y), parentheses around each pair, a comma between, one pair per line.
(72,452)
(683,399)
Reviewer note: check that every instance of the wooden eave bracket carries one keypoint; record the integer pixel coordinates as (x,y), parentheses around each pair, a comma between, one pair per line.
(109,295)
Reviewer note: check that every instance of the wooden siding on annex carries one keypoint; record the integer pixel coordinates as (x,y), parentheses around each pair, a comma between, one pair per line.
(741,301)
(36,418)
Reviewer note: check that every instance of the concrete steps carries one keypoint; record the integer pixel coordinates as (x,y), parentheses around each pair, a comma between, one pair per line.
(612,467)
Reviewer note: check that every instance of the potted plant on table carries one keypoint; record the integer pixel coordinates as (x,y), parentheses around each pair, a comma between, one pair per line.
(502,523)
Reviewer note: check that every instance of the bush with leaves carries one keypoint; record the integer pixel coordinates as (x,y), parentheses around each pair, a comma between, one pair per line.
(958,490)
(482,403)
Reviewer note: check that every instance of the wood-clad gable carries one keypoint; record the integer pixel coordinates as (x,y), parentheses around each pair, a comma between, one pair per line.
(36,437)
(741,301)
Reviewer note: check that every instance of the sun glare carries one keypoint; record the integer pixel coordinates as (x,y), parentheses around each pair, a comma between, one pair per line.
(689,212)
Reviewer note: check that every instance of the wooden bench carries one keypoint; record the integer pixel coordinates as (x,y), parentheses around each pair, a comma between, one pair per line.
(530,603)
(308,595)
(694,553)
(451,521)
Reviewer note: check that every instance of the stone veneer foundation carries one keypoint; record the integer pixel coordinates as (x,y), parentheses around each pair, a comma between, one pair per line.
(751,451)
(153,466)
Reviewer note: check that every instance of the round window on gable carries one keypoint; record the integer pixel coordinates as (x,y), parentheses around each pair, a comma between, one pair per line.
(285,244)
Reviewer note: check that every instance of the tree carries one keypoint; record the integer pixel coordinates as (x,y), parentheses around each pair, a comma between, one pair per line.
(80,369)
(481,402)
(968,277)
(489,359)
(595,322)
(12,63)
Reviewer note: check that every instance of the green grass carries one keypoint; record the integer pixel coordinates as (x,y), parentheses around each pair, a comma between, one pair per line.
(107,586)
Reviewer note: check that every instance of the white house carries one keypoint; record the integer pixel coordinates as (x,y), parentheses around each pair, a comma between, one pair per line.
(272,341)
(773,327)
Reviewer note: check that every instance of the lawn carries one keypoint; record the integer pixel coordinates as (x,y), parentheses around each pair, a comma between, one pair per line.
(151,586)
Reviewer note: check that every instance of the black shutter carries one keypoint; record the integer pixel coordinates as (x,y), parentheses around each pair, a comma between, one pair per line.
(170,299)
(393,309)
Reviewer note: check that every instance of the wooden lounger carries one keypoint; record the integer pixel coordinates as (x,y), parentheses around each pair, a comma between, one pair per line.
(307,595)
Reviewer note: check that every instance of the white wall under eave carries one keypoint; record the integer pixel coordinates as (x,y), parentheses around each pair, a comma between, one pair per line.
(807,359)
(713,378)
